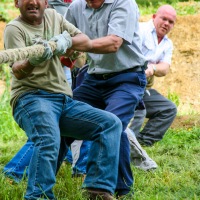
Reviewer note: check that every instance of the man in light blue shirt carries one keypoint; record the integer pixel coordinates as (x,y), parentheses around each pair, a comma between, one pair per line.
(157,48)
(110,21)
(116,80)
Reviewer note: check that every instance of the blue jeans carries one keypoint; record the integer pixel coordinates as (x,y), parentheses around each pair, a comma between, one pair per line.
(47,119)
(80,151)
(119,95)
(68,156)
(17,167)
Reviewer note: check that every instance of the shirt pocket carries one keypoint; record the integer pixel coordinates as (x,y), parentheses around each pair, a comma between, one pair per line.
(147,46)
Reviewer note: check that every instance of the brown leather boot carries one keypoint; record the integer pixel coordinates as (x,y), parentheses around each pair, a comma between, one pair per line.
(98,194)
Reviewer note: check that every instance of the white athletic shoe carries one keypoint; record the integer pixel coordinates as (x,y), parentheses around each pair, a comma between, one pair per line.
(139,156)
(145,165)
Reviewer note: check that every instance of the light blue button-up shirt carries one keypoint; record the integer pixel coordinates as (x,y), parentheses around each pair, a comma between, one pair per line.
(118,17)
(153,51)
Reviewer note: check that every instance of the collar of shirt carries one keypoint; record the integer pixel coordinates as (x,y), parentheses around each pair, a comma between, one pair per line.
(105,2)
(152,28)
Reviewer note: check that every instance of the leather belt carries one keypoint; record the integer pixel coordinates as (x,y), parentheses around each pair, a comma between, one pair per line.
(110,75)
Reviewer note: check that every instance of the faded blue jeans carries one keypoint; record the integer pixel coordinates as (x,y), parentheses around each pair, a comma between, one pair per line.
(17,167)
(45,117)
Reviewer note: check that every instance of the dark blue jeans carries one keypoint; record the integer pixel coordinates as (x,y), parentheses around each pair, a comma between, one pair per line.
(119,95)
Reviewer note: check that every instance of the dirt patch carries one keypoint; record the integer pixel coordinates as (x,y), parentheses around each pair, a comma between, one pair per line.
(2,26)
(183,81)
(184,78)
(2,86)
(186,121)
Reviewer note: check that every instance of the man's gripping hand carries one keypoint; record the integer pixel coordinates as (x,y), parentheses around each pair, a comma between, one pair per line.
(45,56)
(63,42)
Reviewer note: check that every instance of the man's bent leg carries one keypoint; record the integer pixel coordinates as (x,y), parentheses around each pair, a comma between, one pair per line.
(120,98)
(38,115)
(84,122)
(137,121)
(139,156)
(122,102)
(161,113)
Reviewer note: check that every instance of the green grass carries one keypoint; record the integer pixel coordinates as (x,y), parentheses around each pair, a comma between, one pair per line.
(177,178)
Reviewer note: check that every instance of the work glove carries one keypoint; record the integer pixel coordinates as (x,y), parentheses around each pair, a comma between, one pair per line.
(63,42)
(45,56)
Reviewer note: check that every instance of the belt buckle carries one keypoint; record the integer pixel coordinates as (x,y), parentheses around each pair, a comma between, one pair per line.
(105,76)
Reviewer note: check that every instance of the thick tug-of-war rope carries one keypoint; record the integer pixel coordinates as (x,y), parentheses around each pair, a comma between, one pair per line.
(13,55)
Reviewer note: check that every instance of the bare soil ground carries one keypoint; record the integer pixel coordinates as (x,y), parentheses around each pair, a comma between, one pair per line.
(184,77)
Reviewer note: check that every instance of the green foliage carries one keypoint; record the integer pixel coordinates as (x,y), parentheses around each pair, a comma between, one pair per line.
(154,3)
(7,10)
(174,98)
(178,174)
(7,1)
(6,119)
(151,6)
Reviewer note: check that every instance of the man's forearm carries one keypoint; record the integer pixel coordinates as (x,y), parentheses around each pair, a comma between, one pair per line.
(108,44)
(161,69)
(81,42)
(22,69)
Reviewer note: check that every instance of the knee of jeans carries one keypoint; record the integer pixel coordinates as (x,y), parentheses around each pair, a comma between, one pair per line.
(113,124)
(116,122)
(47,142)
